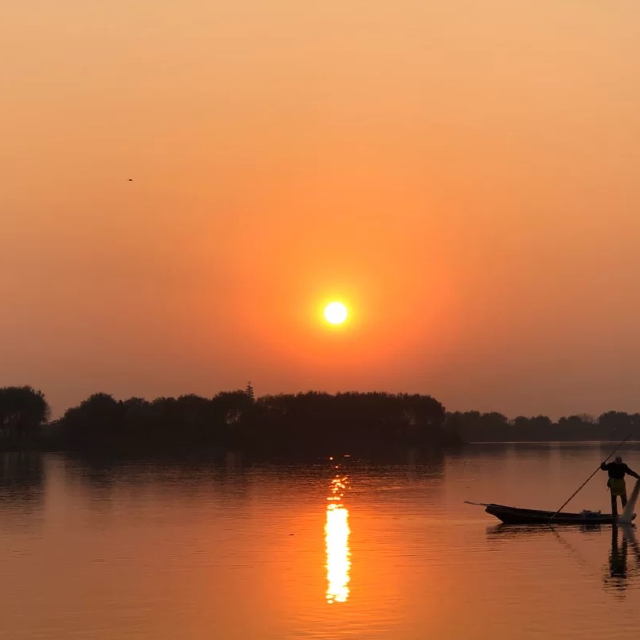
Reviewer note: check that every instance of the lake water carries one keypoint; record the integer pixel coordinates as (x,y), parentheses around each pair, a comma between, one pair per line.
(340,549)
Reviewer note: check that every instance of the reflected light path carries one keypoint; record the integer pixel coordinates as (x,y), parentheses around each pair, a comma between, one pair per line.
(337,543)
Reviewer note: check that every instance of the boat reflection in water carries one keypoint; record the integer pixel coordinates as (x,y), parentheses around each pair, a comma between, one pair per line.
(620,568)
(336,537)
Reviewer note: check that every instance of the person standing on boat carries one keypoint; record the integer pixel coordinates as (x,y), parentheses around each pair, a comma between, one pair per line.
(617,470)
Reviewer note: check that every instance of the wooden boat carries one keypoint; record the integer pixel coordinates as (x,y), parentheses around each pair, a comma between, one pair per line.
(515,515)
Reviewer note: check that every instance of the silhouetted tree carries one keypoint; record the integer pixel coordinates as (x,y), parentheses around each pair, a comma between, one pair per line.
(616,424)
(23,411)
(232,406)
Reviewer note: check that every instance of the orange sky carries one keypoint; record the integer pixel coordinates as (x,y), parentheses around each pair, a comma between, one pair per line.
(463,173)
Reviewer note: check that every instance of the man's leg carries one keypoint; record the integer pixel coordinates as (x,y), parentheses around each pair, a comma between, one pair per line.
(623,499)
(614,505)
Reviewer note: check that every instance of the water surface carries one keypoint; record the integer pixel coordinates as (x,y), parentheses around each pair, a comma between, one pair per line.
(339,549)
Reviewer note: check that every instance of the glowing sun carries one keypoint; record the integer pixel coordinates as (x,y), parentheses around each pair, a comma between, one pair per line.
(335,313)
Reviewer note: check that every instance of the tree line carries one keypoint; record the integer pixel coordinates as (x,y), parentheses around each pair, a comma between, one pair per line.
(473,426)
(310,424)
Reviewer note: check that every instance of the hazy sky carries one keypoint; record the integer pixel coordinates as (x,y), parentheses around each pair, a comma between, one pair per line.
(463,174)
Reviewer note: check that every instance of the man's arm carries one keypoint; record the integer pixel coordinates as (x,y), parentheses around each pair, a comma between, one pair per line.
(604,466)
(631,472)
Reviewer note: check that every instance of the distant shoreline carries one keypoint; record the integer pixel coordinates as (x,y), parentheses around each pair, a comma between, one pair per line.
(307,424)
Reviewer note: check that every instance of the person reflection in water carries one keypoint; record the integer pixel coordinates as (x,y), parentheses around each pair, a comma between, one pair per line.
(617,470)
(618,555)
(620,569)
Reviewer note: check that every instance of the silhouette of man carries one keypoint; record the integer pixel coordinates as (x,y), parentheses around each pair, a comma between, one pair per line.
(617,486)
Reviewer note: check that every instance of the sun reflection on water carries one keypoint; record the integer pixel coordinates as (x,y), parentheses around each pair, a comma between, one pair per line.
(336,538)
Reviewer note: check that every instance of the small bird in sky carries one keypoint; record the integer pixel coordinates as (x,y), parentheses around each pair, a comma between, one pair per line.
(130,179)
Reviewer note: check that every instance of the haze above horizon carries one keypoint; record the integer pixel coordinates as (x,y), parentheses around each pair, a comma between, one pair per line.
(462,175)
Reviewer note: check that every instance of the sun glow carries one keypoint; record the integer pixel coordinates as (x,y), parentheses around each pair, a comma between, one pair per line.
(337,544)
(335,313)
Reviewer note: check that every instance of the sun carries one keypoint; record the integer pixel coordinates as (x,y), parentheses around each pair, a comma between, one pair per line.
(335,313)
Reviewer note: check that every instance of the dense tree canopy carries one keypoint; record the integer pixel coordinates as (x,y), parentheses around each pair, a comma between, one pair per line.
(23,410)
(309,424)
(474,426)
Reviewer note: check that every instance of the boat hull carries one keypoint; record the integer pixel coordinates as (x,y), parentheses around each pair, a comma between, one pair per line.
(515,515)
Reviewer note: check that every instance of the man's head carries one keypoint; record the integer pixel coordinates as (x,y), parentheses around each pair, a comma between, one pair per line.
(618,459)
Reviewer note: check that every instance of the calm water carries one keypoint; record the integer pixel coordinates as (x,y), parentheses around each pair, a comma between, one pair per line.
(335,550)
